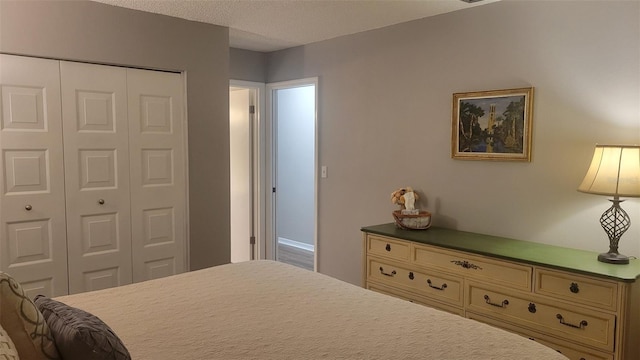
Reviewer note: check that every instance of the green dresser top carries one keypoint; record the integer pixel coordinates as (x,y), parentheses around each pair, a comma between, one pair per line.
(517,250)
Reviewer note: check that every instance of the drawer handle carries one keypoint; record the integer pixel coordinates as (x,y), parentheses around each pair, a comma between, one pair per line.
(388,247)
(532,308)
(28,207)
(574,288)
(504,302)
(582,324)
(444,285)
(467,265)
(393,273)
(411,277)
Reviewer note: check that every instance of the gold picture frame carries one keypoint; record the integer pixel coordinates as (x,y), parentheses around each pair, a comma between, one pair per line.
(492,125)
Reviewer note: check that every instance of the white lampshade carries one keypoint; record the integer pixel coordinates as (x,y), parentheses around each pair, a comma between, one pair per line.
(614,170)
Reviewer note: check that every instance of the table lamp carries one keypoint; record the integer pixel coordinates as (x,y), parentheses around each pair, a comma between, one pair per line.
(614,171)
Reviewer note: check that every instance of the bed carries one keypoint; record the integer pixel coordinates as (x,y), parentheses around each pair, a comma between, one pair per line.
(270,310)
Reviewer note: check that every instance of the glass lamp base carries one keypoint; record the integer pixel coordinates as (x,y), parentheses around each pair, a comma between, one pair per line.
(613,258)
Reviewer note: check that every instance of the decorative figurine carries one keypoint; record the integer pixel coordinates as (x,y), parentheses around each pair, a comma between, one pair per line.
(408,217)
(406,198)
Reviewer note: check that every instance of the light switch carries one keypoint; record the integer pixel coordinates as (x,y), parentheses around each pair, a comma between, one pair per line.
(323,171)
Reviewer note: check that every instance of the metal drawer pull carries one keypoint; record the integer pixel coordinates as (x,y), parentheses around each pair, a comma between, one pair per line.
(411,277)
(101,201)
(388,247)
(532,308)
(504,302)
(444,285)
(28,207)
(582,324)
(467,265)
(574,288)
(393,273)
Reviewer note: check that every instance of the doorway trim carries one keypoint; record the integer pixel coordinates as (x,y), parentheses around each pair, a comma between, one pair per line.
(270,146)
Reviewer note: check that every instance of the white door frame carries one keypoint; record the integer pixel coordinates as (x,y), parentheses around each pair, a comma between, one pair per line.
(270,241)
(258,155)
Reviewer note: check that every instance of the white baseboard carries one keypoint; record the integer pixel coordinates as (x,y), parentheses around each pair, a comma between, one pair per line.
(296,244)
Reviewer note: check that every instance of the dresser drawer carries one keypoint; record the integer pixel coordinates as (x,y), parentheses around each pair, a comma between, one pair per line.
(589,327)
(575,354)
(423,283)
(576,288)
(471,266)
(411,297)
(572,351)
(392,249)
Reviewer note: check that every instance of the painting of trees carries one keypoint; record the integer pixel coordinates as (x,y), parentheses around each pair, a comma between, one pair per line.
(492,124)
(503,133)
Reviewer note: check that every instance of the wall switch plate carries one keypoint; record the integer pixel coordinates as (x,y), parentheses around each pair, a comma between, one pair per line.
(323,171)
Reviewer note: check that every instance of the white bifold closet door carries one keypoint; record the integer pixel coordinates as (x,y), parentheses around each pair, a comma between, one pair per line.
(33,225)
(124,161)
(96,149)
(158,168)
(93,184)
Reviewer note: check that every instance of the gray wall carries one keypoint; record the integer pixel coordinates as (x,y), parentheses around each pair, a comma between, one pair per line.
(247,65)
(385,99)
(93,32)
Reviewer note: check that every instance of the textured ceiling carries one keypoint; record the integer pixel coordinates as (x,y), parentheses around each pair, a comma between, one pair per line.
(269,25)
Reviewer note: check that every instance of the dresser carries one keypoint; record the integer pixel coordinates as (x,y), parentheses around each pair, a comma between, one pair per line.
(561,297)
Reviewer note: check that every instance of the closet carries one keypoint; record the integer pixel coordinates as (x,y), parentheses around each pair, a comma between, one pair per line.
(93,186)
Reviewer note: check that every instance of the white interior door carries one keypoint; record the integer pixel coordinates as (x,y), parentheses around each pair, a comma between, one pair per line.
(247,175)
(33,245)
(158,173)
(96,148)
(240,146)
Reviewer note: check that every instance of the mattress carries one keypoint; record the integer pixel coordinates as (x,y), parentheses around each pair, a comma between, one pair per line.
(269,310)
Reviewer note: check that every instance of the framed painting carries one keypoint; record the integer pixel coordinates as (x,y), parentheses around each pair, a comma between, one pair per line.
(492,125)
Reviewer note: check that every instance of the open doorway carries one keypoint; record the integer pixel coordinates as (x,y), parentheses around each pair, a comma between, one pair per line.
(273,171)
(292,226)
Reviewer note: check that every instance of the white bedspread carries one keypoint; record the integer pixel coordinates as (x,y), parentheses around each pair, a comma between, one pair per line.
(268,310)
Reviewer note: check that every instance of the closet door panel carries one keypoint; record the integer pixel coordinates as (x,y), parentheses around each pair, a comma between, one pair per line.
(96,149)
(33,245)
(158,173)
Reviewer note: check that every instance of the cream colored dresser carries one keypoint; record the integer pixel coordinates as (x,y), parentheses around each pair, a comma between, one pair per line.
(560,297)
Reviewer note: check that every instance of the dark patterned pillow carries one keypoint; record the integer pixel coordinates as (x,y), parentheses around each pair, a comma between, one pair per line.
(80,335)
(24,324)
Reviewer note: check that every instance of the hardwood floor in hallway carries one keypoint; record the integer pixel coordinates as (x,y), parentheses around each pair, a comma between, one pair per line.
(295,256)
